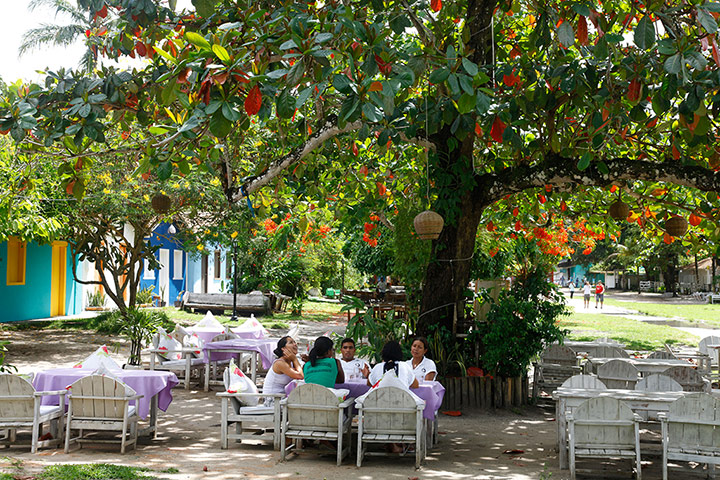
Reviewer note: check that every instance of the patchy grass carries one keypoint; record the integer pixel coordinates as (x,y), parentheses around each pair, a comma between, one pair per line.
(99,471)
(636,335)
(692,312)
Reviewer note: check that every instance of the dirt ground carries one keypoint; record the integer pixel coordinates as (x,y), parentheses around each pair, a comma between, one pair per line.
(471,446)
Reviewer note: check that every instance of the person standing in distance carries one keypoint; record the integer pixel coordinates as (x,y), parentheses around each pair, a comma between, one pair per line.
(587,289)
(599,294)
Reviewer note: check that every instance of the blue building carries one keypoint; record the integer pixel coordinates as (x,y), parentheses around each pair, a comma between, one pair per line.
(36,281)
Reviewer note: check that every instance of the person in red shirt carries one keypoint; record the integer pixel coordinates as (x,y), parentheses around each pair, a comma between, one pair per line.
(599,294)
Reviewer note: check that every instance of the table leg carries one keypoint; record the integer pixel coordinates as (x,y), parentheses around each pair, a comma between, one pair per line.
(562,437)
(207,373)
(253,366)
(153,415)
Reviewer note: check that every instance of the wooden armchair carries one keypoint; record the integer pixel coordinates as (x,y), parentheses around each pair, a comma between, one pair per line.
(618,374)
(183,368)
(690,431)
(314,412)
(390,415)
(603,427)
(557,364)
(20,408)
(255,421)
(100,403)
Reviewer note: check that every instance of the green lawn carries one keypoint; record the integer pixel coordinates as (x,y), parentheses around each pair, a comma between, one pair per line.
(636,335)
(705,313)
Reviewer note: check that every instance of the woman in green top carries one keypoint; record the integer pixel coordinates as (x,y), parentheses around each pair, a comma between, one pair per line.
(323,368)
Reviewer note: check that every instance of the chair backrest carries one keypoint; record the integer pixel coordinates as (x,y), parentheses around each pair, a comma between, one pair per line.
(607,340)
(309,407)
(389,410)
(610,351)
(590,382)
(99,396)
(559,355)
(223,336)
(604,408)
(695,409)
(20,404)
(618,374)
(658,382)
(662,355)
(690,379)
(710,340)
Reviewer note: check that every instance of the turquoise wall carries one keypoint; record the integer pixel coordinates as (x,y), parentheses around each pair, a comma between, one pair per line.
(32,300)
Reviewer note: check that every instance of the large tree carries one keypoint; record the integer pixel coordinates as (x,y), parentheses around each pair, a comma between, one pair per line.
(516,112)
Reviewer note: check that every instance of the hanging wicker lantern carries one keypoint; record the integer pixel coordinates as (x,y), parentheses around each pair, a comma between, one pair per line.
(676,226)
(428,225)
(619,210)
(161,203)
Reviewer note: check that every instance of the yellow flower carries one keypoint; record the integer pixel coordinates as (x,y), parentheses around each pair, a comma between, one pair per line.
(146,197)
(200,247)
(124,194)
(106,191)
(233,235)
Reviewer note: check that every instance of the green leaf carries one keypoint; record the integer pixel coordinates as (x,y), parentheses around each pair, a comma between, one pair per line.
(204,7)
(289,44)
(438,76)
(219,125)
(584,161)
(603,168)
(566,34)
(323,37)
(469,67)
(158,130)
(712,7)
(707,20)
(466,84)
(164,54)
(285,104)
(221,53)
(581,9)
(372,113)
(645,33)
(197,40)
(466,104)
(164,170)
(342,83)
(601,49)
(348,108)
(230,112)
(482,102)
(673,64)
(168,94)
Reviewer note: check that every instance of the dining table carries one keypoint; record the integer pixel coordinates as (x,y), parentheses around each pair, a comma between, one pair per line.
(568,399)
(155,386)
(646,366)
(206,334)
(236,347)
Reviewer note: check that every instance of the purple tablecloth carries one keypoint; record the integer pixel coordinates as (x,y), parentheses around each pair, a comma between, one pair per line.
(207,334)
(145,382)
(431,392)
(263,346)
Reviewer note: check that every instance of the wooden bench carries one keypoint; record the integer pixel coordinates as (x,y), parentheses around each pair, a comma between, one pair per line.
(220,302)
(714,297)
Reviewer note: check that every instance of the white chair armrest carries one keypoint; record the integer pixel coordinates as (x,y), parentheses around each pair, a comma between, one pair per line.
(347,402)
(50,392)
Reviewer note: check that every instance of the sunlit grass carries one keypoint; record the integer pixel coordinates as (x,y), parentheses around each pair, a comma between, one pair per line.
(636,335)
(98,471)
(706,313)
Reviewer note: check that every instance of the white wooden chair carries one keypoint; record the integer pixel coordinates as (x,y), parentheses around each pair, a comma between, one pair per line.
(314,412)
(603,427)
(712,353)
(691,431)
(390,415)
(607,340)
(557,364)
(20,408)
(183,368)
(618,374)
(100,403)
(690,379)
(610,351)
(656,382)
(662,355)
(250,421)
(588,382)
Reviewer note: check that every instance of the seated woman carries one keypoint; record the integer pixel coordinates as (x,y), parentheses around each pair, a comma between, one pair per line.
(393,365)
(423,368)
(285,369)
(323,368)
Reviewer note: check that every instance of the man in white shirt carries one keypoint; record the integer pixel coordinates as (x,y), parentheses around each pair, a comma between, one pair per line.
(586,294)
(354,368)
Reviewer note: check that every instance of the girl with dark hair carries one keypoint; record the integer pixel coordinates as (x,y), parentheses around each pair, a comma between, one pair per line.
(285,369)
(323,368)
(423,368)
(392,364)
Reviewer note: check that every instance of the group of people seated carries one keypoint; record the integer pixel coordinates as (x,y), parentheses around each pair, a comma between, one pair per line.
(321,366)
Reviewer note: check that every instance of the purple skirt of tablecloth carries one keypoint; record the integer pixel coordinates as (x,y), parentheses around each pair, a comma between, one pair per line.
(431,392)
(264,347)
(145,382)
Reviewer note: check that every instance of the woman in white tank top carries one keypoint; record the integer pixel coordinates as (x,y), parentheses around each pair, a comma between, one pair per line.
(285,369)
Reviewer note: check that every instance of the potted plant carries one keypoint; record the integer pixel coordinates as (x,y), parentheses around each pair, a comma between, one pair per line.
(95,301)
(139,326)
(144,297)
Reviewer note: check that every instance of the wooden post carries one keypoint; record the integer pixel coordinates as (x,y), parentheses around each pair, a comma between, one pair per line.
(497,392)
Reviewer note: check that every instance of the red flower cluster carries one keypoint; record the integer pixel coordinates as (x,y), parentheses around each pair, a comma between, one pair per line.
(371,231)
